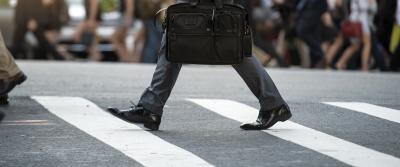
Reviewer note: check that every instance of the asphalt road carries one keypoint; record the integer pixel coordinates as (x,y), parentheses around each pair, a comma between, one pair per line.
(33,135)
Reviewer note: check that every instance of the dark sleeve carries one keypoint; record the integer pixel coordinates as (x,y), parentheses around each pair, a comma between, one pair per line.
(321,5)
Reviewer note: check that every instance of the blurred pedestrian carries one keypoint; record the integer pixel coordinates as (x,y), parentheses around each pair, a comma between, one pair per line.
(152,35)
(267,25)
(309,27)
(58,16)
(151,104)
(294,50)
(85,32)
(38,17)
(362,12)
(338,13)
(118,37)
(395,41)
(10,74)
(386,19)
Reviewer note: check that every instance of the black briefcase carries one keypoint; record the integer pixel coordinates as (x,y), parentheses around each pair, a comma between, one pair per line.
(207,32)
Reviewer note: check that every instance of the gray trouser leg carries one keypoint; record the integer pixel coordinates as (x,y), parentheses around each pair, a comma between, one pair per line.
(164,78)
(260,83)
(166,74)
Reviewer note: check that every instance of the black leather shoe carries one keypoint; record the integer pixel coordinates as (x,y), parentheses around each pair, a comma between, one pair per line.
(138,114)
(267,119)
(2,115)
(7,85)
(4,100)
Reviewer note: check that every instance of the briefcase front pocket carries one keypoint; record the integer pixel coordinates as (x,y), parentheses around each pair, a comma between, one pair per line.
(227,38)
(194,49)
(189,38)
(190,23)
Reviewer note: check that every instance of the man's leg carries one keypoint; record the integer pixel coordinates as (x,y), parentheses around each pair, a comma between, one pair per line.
(152,101)
(10,74)
(260,83)
(273,107)
(8,68)
(164,78)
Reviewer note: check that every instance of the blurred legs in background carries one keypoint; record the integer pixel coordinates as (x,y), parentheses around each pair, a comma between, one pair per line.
(151,42)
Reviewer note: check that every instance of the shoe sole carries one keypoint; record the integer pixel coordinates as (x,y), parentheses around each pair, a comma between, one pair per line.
(15,83)
(122,118)
(151,126)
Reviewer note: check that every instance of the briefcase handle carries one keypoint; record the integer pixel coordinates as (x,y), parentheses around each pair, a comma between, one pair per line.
(218,3)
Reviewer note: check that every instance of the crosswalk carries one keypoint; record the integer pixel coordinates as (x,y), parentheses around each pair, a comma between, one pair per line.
(150,150)
(334,147)
(370,109)
(130,139)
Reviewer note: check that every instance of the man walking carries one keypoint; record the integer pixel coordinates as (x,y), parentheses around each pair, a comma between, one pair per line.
(150,108)
(10,74)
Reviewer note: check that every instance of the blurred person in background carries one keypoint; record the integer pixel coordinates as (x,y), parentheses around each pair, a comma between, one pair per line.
(85,32)
(150,33)
(118,38)
(147,36)
(331,37)
(309,27)
(362,11)
(44,19)
(10,74)
(58,10)
(292,49)
(385,22)
(267,25)
(395,41)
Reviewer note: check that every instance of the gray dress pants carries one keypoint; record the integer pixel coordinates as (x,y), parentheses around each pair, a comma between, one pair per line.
(252,72)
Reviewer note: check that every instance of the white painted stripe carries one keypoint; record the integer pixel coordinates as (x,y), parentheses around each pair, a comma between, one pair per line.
(331,146)
(370,109)
(136,143)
